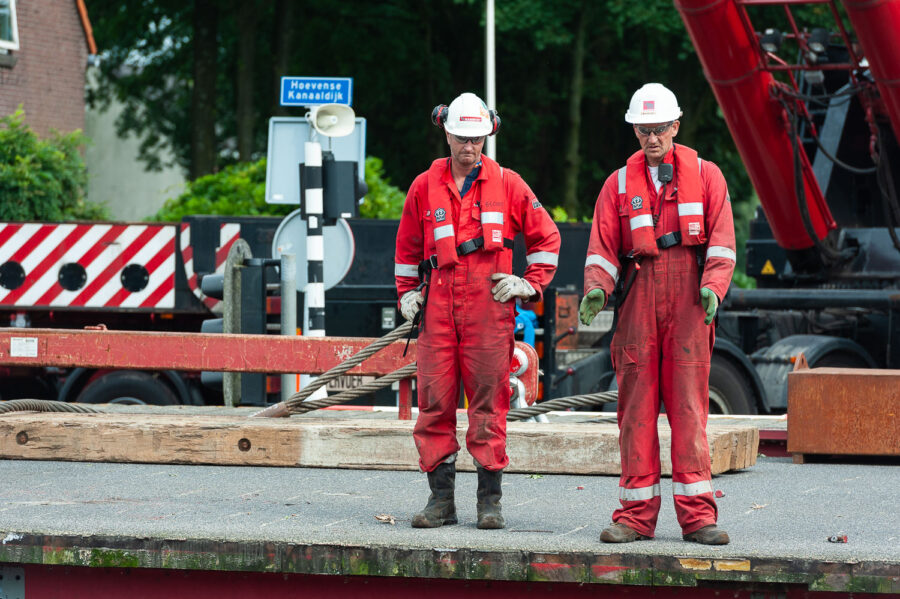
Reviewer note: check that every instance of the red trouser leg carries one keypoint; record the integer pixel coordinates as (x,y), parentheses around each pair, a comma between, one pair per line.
(635,355)
(437,377)
(661,352)
(466,335)
(437,384)
(485,374)
(486,347)
(685,393)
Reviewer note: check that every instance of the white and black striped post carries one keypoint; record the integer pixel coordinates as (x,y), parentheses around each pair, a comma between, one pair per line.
(315,246)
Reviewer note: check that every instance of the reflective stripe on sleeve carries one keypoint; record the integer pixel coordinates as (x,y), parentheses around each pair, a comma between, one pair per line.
(444,231)
(641,220)
(691,489)
(406,270)
(622,174)
(603,263)
(720,251)
(494,218)
(690,209)
(639,494)
(542,258)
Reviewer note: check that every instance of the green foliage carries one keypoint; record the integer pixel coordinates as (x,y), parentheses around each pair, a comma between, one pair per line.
(382,200)
(240,190)
(558,214)
(743,280)
(429,49)
(743,213)
(42,179)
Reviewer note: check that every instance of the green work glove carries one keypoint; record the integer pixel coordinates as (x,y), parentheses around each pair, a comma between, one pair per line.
(710,303)
(591,305)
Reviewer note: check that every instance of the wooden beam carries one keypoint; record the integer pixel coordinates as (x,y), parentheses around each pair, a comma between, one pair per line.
(554,448)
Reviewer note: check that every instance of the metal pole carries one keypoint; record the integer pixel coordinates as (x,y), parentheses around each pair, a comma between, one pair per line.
(288,314)
(490,146)
(315,246)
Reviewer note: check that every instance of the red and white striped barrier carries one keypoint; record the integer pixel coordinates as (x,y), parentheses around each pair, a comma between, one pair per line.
(87,265)
(228,234)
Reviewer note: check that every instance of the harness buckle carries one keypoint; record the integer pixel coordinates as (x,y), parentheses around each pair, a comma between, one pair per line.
(668,240)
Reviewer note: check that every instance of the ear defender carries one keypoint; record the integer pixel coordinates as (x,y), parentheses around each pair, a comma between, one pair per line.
(439,115)
(495,121)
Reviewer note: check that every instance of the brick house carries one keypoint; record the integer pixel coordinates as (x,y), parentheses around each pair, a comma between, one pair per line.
(45,46)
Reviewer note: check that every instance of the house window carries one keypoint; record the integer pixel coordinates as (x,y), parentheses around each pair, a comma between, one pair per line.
(9,34)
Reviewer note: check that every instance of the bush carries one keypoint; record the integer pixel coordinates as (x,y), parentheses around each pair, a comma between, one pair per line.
(237,190)
(42,180)
(240,190)
(383,200)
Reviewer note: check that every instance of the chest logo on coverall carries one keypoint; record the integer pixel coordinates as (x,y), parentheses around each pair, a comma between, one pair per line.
(637,203)
(439,215)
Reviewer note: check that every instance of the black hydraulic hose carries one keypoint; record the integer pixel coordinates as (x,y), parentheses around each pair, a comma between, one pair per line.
(853,169)
(821,98)
(824,250)
(889,204)
(42,405)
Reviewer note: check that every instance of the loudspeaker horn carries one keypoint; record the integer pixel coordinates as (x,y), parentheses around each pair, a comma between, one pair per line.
(332,120)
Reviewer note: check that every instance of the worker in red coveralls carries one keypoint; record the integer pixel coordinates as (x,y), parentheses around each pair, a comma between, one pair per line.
(454,263)
(663,230)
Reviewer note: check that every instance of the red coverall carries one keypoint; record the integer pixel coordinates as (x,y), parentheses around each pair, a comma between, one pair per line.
(661,348)
(466,334)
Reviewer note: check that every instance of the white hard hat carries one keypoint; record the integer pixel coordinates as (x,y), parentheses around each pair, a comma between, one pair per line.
(653,103)
(468,116)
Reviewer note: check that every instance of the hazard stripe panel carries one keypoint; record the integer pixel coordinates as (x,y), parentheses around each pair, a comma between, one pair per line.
(228,234)
(87,265)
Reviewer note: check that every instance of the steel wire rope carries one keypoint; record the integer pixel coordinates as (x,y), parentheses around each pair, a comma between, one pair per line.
(44,405)
(288,406)
(562,403)
(345,396)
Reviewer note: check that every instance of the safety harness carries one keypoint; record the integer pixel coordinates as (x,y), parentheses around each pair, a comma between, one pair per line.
(493,213)
(633,183)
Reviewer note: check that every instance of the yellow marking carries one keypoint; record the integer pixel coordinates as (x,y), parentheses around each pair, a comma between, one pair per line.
(741,565)
(768,268)
(690,563)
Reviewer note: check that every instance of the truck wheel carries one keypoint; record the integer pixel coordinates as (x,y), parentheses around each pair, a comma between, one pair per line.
(729,389)
(128,387)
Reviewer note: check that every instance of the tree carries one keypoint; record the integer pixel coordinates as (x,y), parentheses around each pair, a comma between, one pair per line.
(42,179)
(565,72)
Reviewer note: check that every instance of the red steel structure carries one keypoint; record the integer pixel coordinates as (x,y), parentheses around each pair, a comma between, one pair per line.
(743,83)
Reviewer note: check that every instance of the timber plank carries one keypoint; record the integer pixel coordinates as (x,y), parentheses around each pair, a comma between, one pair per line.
(548,448)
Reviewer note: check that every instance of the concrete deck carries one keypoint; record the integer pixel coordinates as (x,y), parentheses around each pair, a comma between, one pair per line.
(324,521)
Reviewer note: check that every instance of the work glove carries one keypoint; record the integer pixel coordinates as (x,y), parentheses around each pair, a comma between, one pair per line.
(710,303)
(511,286)
(591,305)
(411,303)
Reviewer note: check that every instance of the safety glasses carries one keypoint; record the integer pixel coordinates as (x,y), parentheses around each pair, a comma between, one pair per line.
(469,140)
(646,131)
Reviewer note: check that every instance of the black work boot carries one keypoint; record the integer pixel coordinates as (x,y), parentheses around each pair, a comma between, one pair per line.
(440,508)
(489,494)
(708,535)
(621,533)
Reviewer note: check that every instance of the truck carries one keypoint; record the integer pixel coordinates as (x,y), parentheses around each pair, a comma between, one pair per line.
(815,114)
